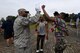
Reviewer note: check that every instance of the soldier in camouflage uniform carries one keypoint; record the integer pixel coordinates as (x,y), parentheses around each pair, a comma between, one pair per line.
(60,28)
(22,35)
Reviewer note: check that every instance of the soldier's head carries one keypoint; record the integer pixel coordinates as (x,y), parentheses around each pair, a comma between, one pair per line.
(56,14)
(23,12)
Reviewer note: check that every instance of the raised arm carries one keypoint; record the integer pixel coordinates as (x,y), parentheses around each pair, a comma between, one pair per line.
(46,14)
(35,18)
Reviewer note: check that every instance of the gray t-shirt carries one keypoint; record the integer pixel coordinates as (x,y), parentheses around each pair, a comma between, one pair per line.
(41,28)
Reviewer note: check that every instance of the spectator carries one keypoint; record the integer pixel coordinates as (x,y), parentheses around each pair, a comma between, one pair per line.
(42,32)
(7,26)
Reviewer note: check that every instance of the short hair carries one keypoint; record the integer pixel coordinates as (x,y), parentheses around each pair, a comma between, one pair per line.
(56,13)
(9,18)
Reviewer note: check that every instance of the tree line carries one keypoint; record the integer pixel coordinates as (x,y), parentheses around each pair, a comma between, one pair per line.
(66,16)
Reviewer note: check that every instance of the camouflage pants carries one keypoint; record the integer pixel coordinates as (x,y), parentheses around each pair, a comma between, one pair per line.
(60,43)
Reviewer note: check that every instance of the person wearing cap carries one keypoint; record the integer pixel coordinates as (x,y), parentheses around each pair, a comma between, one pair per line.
(22,35)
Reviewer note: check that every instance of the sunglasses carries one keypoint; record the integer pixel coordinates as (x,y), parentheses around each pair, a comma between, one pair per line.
(26,11)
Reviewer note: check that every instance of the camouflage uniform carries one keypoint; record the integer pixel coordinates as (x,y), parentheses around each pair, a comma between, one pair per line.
(59,30)
(22,35)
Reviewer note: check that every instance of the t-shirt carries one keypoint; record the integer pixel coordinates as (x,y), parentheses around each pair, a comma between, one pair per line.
(41,28)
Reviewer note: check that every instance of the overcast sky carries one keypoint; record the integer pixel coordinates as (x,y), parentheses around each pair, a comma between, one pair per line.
(10,7)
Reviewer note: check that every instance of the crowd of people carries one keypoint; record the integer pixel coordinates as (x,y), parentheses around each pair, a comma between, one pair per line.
(18,32)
